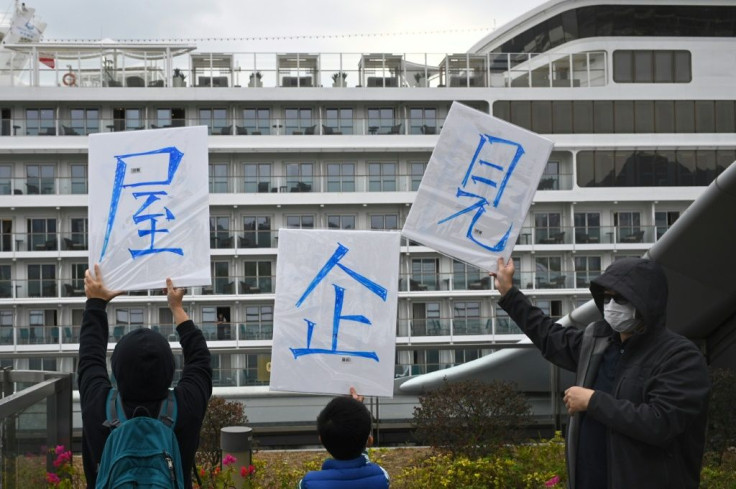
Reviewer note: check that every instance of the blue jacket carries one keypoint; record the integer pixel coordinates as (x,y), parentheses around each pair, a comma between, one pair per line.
(358,473)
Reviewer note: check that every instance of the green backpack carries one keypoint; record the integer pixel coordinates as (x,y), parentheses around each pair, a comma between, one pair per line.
(141,452)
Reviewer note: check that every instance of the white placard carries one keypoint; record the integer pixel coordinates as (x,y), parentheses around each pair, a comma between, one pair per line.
(477,187)
(335,312)
(149,208)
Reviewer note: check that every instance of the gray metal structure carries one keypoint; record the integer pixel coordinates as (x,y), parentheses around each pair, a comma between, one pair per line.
(698,254)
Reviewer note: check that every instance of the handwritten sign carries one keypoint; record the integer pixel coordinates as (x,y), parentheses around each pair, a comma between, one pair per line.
(477,188)
(335,312)
(149,208)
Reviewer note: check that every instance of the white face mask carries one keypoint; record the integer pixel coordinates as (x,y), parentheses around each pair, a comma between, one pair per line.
(622,318)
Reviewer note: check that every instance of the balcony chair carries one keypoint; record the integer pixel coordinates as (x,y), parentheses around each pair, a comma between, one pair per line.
(636,237)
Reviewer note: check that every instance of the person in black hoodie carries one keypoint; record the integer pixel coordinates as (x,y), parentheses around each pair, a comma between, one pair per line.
(638,409)
(143,368)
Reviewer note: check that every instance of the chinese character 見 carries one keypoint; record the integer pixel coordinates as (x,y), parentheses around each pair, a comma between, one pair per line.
(489,171)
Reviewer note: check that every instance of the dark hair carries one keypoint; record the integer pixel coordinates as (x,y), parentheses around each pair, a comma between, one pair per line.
(344,426)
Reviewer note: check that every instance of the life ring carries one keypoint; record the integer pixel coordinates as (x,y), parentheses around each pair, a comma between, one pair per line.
(69,79)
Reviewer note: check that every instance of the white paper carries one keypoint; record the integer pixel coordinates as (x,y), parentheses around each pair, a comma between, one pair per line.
(149,208)
(335,312)
(477,188)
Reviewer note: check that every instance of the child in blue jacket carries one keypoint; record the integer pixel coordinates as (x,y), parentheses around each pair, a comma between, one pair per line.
(344,428)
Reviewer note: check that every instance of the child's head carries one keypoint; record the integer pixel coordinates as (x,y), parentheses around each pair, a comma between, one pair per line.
(344,427)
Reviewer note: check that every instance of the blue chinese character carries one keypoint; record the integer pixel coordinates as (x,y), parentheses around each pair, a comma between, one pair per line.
(490,174)
(126,179)
(338,316)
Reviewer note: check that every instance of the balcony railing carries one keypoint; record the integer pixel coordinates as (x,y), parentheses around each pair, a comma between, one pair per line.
(585,235)
(83,66)
(272,126)
(388,180)
(464,326)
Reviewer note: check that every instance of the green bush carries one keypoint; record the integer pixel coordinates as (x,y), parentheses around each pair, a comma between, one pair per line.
(220,413)
(721,413)
(529,466)
(471,418)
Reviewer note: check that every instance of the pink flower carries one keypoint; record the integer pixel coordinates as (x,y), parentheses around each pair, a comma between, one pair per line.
(552,482)
(228,460)
(52,478)
(59,449)
(63,458)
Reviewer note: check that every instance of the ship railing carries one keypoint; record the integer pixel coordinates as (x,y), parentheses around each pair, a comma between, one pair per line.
(160,66)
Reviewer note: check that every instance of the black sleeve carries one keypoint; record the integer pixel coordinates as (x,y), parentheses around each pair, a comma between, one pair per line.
(196,376)
(94,384)
(558,344)
(193,393)
(92,368)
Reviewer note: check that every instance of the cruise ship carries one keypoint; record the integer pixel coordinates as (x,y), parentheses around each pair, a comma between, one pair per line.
(638,97)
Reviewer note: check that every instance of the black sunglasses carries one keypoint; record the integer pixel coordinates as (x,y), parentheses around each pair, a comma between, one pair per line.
(616,298)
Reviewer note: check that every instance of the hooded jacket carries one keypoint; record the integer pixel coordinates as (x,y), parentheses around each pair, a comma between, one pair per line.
(143,367)
(655,416)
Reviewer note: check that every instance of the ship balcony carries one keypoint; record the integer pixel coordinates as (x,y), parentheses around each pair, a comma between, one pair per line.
(79,66)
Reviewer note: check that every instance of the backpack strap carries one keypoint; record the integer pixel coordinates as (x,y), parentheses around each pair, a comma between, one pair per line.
(113,410)
(168,412)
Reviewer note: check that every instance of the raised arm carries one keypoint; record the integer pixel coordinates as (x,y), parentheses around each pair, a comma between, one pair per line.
(557,344)
(94,334)
(196,379)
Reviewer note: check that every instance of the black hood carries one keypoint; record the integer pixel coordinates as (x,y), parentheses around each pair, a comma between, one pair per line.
(143,366)
(639,280)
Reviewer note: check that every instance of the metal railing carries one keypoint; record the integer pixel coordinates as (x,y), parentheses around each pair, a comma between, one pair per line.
(79,66)
(35,412)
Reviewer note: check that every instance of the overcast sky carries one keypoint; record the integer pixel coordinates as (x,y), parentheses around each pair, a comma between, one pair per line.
(173,19)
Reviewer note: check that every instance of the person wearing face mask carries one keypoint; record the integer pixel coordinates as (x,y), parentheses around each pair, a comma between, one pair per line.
(638,409)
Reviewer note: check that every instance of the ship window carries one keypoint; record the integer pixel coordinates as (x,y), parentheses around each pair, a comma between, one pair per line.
(218,178)
(384,222)
(256,121)
(647,66)
(623,117)
(257,277)
(661,168)
(299,177)
(381,177)
(542,117)
(602,116)
(684,116)
(643,116)
(562,117)
(416,172)
(341,177)
(521,114)
(664,116)
(705,117)
(724,113)
(338,121)
(582,116)
(299,120)
(256,232)
(300,222)
(340,222)
(79,179)
(258,178)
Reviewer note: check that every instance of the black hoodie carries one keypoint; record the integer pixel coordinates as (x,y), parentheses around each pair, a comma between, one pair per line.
(143,366)
(656,413)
